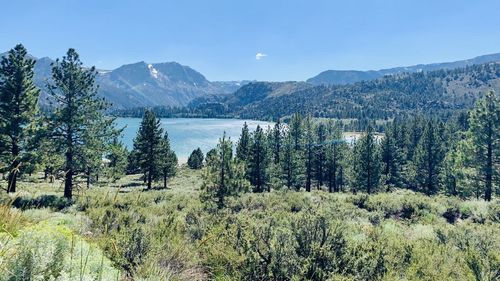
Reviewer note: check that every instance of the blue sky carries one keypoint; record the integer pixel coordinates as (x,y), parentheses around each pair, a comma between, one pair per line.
(220,38)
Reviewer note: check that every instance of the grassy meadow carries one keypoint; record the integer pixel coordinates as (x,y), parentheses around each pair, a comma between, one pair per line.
(119,231)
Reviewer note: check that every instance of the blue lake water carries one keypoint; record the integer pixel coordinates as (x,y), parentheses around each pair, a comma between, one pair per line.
(187,134)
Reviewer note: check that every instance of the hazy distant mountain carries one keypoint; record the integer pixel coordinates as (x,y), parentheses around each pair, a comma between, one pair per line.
(231,86)
(143,84)
(340,77)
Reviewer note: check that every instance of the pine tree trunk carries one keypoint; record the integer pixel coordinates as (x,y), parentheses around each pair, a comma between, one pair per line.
(68,181)
(334,173)
(68,184)
(12,182)
(150,180)
(14,168)
(340,186)
(165,181)
(308,168)
(88,178)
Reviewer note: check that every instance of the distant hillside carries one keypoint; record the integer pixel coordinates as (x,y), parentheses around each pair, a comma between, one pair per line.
(439,92)
(340,77)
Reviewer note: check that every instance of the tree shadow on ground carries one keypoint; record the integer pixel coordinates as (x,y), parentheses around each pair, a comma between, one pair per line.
(43,201)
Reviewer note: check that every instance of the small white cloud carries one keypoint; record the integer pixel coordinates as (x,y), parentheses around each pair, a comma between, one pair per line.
(260,56)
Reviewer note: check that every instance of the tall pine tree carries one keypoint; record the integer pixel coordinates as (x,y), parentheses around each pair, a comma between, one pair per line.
(18,106)
(296,131)
(335,154)
(485,132)
(320,154)
(77,124)
(428,159)
(243,145)
(224,175)
(309,151)
(276,138)
(149,147)
(366,162)
(168,160)
(290,164)
(391,158)
(258,161)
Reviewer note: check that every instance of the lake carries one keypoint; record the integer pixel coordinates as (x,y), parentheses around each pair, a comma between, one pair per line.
(187,134)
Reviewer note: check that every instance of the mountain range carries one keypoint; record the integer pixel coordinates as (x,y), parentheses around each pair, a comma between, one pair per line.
(335,77)
(145,84)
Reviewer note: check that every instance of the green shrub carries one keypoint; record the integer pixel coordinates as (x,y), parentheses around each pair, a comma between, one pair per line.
(494,211)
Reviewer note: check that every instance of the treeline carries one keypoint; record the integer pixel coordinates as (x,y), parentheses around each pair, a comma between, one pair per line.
(215,110)
(73,138)
(423,154)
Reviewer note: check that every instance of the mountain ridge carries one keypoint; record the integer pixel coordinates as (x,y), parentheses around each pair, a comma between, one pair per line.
(143,84)
(336,77)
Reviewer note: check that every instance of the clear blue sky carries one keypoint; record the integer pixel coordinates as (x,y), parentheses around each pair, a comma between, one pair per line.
(221,38)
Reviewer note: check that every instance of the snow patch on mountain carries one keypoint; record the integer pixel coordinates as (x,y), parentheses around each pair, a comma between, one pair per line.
(153,71)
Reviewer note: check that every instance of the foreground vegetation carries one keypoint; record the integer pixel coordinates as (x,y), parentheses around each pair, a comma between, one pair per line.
(407,205)
(113,233)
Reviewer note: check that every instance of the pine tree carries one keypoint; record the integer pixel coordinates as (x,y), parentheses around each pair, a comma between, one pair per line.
(459,171)
(224,175)
(258,161)
(366,162)
(428,159)
(400,133)
(195,160)
(290,164)
(296,131)
(18,106)
(335,153)
(485,132)
(391,158)
(243,145)
(320,154)
(210,156)
(168,164)
(117,160)
(276,141)
(415,131)
(309,151)
(78,124)
(148,147)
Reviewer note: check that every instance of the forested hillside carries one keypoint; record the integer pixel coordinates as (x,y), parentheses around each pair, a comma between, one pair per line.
(437,93)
